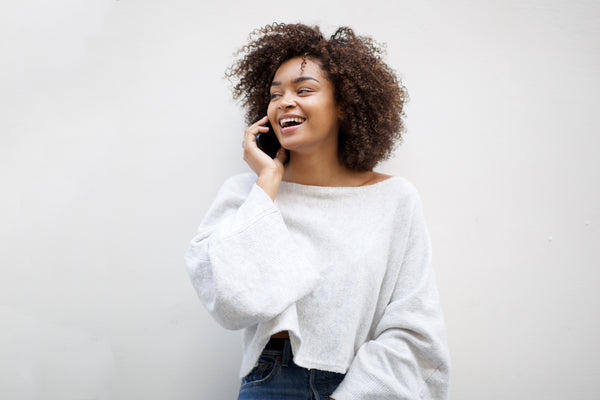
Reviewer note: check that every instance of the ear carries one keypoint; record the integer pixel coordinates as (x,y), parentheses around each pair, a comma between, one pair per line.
(340,113)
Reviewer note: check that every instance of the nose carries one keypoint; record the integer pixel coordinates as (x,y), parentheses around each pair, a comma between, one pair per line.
(287,101)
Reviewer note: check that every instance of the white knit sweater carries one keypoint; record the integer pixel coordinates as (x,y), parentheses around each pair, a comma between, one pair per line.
(346,270)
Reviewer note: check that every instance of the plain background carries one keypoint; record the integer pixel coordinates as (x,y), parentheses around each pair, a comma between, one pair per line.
(117,129)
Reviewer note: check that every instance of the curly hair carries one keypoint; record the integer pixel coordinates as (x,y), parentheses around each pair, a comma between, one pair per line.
(367,90)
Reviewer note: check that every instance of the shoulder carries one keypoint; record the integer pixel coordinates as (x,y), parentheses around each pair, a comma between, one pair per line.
(402,198)
(239,184)
(232,194)
(400,186)
(234,190)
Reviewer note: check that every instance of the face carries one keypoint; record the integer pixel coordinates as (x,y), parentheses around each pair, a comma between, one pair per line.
(303,110)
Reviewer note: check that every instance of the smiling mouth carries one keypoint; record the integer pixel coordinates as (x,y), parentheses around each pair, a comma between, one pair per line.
(287,122)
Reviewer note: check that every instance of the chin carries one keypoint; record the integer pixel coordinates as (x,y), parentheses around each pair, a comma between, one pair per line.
(290,145)
(294,147)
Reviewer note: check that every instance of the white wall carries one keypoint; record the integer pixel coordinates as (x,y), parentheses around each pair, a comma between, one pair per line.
(116,130)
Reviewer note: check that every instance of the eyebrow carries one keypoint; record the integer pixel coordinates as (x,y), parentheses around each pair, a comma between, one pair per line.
(297,80)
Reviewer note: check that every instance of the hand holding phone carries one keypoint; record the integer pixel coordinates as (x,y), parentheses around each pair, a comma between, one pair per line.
(261,153)
(268,142)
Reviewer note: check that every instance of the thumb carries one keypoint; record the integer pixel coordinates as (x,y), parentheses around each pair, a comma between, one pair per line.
(281,155)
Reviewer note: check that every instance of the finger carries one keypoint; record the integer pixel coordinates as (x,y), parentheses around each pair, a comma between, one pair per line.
(281,155)
(255,128)
(250,136)
(259,123)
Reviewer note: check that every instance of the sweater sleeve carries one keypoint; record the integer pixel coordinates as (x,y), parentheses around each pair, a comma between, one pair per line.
(243,262)
(408,356)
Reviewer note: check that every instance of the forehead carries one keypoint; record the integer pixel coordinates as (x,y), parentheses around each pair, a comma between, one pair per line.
(298,66)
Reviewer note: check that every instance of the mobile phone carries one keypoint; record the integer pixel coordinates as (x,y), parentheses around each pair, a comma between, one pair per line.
(268,142)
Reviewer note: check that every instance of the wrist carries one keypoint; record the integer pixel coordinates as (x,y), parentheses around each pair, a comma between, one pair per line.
(269,181)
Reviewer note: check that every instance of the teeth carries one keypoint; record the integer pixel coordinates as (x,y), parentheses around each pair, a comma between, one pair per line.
(287,121)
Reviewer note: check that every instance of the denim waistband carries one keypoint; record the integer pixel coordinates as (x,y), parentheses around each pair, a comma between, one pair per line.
(282,346)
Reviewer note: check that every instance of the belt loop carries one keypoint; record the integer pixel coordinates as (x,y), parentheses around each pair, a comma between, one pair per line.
(287,351)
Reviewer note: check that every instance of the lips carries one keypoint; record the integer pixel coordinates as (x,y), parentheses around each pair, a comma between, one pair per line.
(285,122)
(290,122)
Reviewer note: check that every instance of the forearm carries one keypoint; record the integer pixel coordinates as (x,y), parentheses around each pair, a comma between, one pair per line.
(269,181)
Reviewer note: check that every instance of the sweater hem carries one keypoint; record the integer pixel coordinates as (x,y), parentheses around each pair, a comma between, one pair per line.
(309,364)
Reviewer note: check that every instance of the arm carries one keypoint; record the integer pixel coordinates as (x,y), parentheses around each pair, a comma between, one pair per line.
(408,357)
(243,262)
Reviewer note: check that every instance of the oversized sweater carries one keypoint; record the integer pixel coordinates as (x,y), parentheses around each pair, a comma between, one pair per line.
(345,270)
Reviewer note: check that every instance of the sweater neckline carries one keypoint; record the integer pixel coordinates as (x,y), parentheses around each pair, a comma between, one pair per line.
(337,189)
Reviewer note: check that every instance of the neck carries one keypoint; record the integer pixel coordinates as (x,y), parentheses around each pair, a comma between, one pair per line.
(322,170)
(314,169)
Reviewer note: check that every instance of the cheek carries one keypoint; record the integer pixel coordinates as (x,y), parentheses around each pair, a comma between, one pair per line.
(272,114)
(271,111)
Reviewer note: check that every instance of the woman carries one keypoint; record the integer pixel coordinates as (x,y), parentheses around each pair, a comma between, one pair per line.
(323,262)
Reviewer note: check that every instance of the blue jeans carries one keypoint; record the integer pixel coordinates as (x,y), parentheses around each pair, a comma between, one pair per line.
(277,377)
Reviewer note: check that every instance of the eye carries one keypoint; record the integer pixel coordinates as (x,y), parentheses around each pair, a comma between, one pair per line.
(304,91)
(274,95)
